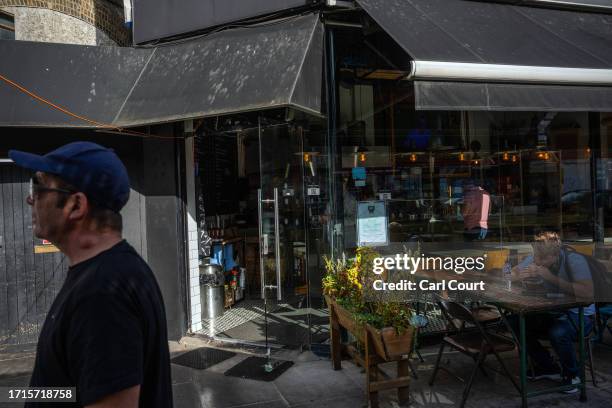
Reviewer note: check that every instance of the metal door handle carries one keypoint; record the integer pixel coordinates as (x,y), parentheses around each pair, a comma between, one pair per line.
(279,292)
(262,274)
(265,244)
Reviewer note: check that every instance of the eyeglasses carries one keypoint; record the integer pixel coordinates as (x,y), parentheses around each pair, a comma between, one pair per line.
(36,187)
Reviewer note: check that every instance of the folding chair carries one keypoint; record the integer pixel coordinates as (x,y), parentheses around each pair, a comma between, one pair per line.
(475,344)
(604,314)
(486,315)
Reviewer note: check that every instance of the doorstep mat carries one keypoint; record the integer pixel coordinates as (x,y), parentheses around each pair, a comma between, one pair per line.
(254,368)
(202,358)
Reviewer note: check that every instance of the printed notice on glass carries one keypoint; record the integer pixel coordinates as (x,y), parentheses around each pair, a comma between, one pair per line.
(372,223)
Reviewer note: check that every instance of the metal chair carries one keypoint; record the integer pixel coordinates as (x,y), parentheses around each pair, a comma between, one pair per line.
(604,314)
(475,344)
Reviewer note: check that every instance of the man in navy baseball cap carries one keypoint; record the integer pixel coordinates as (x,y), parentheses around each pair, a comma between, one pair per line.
(109,315)
(91,168)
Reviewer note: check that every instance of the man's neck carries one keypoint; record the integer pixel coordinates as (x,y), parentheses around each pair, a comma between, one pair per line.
(83,246)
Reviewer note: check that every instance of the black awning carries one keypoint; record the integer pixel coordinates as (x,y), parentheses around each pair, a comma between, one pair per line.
(92,82)
(439,95)
(490,33)
(487,44)
(236,70)
(273,65)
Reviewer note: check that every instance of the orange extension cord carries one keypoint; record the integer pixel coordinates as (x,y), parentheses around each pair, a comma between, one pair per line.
(74,115)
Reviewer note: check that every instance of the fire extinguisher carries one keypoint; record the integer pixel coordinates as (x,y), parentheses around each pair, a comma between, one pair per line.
(234,281)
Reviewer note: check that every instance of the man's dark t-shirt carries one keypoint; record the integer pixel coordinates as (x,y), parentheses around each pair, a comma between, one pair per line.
(105,332)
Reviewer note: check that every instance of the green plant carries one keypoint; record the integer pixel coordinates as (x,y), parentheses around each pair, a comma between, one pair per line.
(345,281)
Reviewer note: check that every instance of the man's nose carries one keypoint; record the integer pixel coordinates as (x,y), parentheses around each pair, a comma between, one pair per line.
(29,200)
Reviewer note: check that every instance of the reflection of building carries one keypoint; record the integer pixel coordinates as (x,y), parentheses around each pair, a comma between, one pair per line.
(284,107)
(89,22)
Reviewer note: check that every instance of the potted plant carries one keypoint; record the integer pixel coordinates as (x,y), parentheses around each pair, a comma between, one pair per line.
(387,322)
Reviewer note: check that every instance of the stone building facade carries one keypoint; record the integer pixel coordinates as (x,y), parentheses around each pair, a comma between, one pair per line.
(85,22)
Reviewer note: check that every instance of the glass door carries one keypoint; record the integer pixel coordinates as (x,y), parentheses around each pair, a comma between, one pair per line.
(282,233)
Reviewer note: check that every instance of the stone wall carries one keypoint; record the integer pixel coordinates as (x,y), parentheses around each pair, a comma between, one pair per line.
(87,22)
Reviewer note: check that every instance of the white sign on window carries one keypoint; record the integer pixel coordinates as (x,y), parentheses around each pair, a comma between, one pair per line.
(372,223)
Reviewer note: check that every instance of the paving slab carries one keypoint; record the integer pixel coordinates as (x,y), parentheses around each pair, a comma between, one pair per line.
(311,382)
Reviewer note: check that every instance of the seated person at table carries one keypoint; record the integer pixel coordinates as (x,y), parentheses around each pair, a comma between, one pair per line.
(565,272)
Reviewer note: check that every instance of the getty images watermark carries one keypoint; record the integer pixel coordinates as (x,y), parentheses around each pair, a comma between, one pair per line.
(425,266)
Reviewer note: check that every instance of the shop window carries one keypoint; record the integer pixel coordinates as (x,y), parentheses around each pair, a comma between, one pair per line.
(7,26)
(604,180)
(442,174)
(438,172)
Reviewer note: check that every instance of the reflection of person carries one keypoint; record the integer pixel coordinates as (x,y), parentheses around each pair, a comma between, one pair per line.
(105,333)
(475,211)
(568,272)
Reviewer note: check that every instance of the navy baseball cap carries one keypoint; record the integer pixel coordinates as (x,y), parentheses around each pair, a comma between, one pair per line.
(93,169)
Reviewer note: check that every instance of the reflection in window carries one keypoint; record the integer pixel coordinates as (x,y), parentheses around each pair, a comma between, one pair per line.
(7,26)
(450,176)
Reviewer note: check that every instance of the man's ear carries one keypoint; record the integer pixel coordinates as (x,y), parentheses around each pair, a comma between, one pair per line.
(77,206)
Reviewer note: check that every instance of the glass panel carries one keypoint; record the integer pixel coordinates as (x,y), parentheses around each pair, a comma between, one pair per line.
(285,271)
(264,193)
(604,181)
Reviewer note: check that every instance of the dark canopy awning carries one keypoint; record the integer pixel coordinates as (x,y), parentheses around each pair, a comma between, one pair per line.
(439,95)
(467,53)
(273,65)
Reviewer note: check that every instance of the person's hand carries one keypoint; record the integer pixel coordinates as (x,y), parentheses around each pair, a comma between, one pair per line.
(532,271)
(538,271)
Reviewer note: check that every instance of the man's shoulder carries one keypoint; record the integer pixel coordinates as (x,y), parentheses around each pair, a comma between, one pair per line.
(122,257)
(578,264)
(115,272)
(575,257)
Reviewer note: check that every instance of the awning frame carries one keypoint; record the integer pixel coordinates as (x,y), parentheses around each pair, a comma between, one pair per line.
(473,72)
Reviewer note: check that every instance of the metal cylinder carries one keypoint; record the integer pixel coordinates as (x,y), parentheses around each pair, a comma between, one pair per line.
(213,298)
(212,291)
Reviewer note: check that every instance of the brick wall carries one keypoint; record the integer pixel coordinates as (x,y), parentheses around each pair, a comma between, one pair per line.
(101,14)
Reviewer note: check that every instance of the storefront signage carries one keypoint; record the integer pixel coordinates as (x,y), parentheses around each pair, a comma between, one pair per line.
(372,223)
(46,248)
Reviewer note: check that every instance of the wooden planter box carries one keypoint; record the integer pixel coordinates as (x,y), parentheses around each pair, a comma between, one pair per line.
(388,345)
(380,346)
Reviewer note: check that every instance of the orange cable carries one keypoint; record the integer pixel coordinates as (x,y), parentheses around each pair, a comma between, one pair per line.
(74,115)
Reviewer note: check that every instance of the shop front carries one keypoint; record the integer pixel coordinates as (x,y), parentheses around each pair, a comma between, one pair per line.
(432,115)
(439,121)
(431,118)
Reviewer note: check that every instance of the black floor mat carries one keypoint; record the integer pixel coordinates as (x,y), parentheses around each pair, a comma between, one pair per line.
(202,358)
(253,369)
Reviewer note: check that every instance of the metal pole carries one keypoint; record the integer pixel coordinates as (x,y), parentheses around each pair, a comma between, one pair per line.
(583,396)
(523,363)
(331,136)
